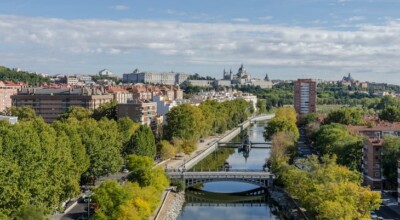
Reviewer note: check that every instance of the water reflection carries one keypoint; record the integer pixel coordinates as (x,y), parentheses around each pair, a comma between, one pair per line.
(216,206)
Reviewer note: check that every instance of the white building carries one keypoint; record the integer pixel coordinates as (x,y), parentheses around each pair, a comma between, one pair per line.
(249,98)
(163,106)
(10,119)
(105,72)
(163,78)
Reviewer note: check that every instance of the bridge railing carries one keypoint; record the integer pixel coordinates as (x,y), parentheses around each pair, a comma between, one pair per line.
(214,170)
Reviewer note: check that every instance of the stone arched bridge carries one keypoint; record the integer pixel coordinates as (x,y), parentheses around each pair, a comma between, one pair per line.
(259,178)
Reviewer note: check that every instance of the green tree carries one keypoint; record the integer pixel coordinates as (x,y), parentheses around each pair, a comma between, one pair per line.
(43,171)
(74,141)
(346,116)
(336,139)
(142,142)
(7,74)
(110,195)
(29,213)
(103,145)
(391,113)
(321,187)
(185,122)
(167,150)
(276,125)
(262,106)
(391,154)
(79,113)
(23,113)
(126,128)
(142,172)
(108,110)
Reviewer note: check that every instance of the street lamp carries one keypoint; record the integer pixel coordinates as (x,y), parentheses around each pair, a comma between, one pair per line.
(88,202)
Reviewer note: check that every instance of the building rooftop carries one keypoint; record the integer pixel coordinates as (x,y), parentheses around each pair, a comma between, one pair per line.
(61,91)
(380,126)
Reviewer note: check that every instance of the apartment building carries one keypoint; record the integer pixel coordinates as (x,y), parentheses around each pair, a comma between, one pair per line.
(121,95)
(7,89)
(372,150)
(305,96)
(142,111)
(372,169)
(50,103)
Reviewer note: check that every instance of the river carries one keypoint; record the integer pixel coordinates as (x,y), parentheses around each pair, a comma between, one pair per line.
(220,200)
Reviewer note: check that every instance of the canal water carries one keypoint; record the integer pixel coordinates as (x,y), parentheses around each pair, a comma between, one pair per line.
(222,200)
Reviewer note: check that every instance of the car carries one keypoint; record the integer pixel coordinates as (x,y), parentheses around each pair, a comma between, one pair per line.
(374,215)
(125,170)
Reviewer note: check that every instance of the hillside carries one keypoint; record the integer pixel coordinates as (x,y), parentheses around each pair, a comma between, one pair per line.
(7,74)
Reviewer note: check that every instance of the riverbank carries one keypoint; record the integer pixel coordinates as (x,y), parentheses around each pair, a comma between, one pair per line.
(288,208)
(172,203)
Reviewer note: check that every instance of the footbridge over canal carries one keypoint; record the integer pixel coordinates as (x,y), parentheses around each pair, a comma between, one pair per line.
(259,178)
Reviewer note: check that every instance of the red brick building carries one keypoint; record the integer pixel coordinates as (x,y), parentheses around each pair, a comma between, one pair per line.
(372,169)
(7,89)
(305,96)
(50,103)
(372,150)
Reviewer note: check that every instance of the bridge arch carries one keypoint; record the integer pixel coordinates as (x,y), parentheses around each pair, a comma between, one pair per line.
(193,182)
(259,178)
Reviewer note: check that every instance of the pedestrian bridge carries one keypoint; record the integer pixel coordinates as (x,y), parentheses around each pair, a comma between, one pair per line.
(259,178)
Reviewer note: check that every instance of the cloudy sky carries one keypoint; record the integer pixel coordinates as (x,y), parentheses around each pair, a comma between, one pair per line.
(287,39)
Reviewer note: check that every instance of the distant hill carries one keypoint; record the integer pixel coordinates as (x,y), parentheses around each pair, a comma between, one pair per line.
(7,74)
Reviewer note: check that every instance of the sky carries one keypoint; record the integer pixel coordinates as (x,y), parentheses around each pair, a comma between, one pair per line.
(288,39)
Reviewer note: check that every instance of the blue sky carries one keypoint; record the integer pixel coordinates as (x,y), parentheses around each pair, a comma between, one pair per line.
(287,39)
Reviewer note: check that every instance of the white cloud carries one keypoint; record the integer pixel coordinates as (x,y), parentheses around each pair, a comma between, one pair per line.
(375,48)
(356,18)
(173,12)
(120,7)
(240,19)
(265,18)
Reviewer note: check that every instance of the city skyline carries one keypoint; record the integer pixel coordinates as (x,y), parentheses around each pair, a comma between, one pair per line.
(287,40)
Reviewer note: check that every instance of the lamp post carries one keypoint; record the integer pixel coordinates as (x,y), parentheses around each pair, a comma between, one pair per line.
(88,203)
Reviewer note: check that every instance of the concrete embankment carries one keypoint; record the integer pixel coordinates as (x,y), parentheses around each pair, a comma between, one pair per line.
(229,136)
(172,204)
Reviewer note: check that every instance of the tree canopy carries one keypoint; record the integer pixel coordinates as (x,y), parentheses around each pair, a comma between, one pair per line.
(142,142)
(346,116)
(390,157)
(284,121)
(329,190)
(336,139)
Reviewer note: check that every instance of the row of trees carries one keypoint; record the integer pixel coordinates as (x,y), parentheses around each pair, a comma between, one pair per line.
(189,123)
(284,121)
(136,199)
(43,164)
(326,189)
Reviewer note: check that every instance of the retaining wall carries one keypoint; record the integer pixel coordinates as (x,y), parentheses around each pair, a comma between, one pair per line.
(214,145)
